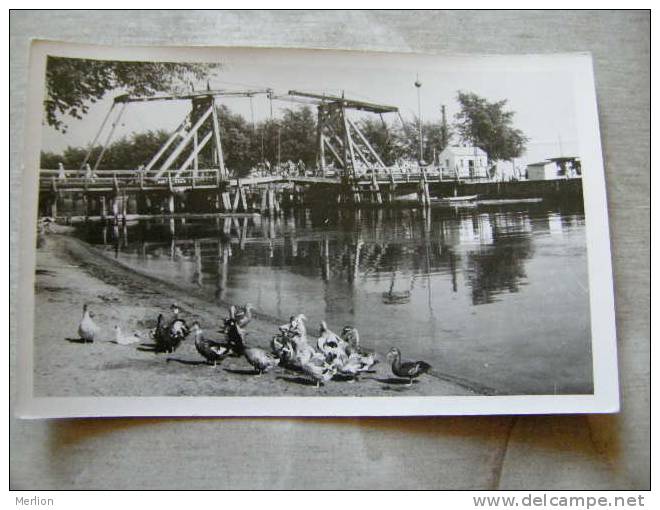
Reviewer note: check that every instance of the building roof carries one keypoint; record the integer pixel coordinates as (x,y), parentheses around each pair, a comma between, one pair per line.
(565,158)
(555,160)
(465,151)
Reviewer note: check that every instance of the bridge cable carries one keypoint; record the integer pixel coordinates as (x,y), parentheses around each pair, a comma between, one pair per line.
(96,138)
(107,140)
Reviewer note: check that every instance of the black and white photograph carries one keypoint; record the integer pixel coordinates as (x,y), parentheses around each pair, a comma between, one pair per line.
(415,234)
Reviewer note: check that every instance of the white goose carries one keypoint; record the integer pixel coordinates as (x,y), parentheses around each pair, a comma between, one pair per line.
(329,343)
(125,339)
(87,329)
(351,336)
(260,359)
(291,344)
(316,367)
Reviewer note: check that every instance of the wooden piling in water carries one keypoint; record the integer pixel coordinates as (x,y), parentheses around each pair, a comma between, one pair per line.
(271,201)
(376,197)
(103,207)
(278,201)
(115,207)
(171,203)
(226,201)
(53,205)
(423,193)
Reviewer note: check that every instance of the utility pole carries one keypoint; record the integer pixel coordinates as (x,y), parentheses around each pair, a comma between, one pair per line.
(279,147)
(445,142)
(418,85)
(263,156)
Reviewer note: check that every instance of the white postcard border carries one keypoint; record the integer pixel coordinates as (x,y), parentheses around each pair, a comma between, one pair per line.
(605,368)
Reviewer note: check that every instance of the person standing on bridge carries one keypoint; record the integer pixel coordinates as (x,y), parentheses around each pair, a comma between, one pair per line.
(89,173)
(61,174)
(140,173)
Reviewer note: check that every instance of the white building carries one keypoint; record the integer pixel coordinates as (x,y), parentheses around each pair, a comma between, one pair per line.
(463,163)
(554,168)
(542,171)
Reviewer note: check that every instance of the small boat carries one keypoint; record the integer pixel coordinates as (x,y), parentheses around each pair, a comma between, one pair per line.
(410,197)
(505,201)
(454,200)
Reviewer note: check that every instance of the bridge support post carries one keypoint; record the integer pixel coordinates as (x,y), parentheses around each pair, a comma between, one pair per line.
(143,203)
(391,190)
(243,198)
(53,205)
(423,193)
(376,197)
(103,208)
(226,201)
(357,193)
(240,200)
(124,206)
(171,203)
(255,199)
(349,192)
(115,207)
(277,195)
(271,201)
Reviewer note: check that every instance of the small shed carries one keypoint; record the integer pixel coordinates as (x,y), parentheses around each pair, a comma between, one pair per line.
(463,162)
(542,171)
(554,168)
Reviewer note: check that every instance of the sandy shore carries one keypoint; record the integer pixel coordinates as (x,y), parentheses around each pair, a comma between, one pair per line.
(71,273)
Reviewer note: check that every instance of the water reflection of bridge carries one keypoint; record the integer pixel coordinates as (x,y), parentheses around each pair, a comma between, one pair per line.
(485,251)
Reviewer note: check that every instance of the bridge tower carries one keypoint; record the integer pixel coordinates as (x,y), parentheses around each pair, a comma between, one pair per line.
(197,139)
(340,140)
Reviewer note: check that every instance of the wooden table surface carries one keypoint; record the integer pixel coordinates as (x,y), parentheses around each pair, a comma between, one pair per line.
(531,452)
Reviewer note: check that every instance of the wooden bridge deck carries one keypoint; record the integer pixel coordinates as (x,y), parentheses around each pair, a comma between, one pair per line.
(107,181)
(108,193)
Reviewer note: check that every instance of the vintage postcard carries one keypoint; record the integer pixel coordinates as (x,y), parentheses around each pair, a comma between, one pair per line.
(271,232)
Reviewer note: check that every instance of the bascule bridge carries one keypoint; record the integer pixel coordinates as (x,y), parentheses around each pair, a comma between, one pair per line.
(188,172)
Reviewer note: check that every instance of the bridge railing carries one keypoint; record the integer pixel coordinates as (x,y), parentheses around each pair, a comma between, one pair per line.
(100,178)
(84,179)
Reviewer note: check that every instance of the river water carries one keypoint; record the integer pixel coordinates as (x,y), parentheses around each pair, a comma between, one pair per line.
(495,294)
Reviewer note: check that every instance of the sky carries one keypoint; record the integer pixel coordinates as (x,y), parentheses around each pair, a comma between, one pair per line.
(539,89)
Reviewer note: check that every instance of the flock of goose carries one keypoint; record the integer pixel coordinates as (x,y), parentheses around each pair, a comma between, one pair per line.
(290,348)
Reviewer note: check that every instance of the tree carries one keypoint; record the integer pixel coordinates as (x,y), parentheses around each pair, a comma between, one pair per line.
(238,145)
(489,126)
(434,135)
(383,138)
(298,135)
(127,153)
(73,84)
(436,138)
(404,139)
